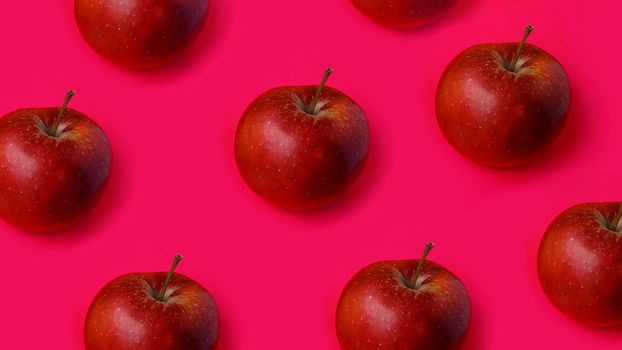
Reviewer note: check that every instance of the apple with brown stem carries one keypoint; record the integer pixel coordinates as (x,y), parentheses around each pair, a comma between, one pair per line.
(403,305)
(152,311)
(503,105)
(55,164)
(302,147)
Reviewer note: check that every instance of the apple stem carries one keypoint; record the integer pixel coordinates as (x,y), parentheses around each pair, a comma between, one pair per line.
(176,262)
(521,47)
(616,219)
(61,113)
(318,93)
(413,280)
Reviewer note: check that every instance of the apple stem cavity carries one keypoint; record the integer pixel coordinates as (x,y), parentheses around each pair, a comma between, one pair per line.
(521,47)
(169,277)
(616,219)
(318,93)
(61,113)
(413,280)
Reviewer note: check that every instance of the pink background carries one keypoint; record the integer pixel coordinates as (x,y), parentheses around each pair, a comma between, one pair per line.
(277,275)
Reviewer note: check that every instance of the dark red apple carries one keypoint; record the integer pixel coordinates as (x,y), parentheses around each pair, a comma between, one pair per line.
(403,13)
(403,305)
(580,263)
(152,311)
(302,147)
(503,105)
(54,167)
(140,33)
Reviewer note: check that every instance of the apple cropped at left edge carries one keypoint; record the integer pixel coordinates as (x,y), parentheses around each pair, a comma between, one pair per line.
(55,164)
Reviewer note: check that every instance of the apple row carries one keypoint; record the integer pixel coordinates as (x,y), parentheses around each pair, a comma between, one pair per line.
(150,33)
(298,147)
(409,304)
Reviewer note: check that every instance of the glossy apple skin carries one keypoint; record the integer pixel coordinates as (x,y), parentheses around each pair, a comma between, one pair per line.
(497,117)
(46,183)
(140,33)
(377,311)
(296,160)
(580,264)
(403,13)
(126,315)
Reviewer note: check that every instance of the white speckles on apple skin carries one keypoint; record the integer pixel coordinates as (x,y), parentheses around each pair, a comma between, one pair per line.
(125,315)
(140,34)
(497,117)
(377,310)
(297,160)
(580,264)
(49,183)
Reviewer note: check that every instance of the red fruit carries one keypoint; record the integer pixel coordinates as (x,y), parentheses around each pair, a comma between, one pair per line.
(580,263)
(140,33)
(54,167)
(503,105)
(152,311)
(302,147)
(403,305)
(403,13)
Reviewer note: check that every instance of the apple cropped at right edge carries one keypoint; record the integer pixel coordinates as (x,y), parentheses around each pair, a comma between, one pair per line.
(580,263)
(302,147)
(408,304)
(503,105)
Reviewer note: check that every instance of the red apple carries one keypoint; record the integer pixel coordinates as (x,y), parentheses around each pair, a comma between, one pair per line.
(302,147)
(152,311)
(140,33)
(502,105)
(54,167)
(403,13)
(580,263)
(403,305)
